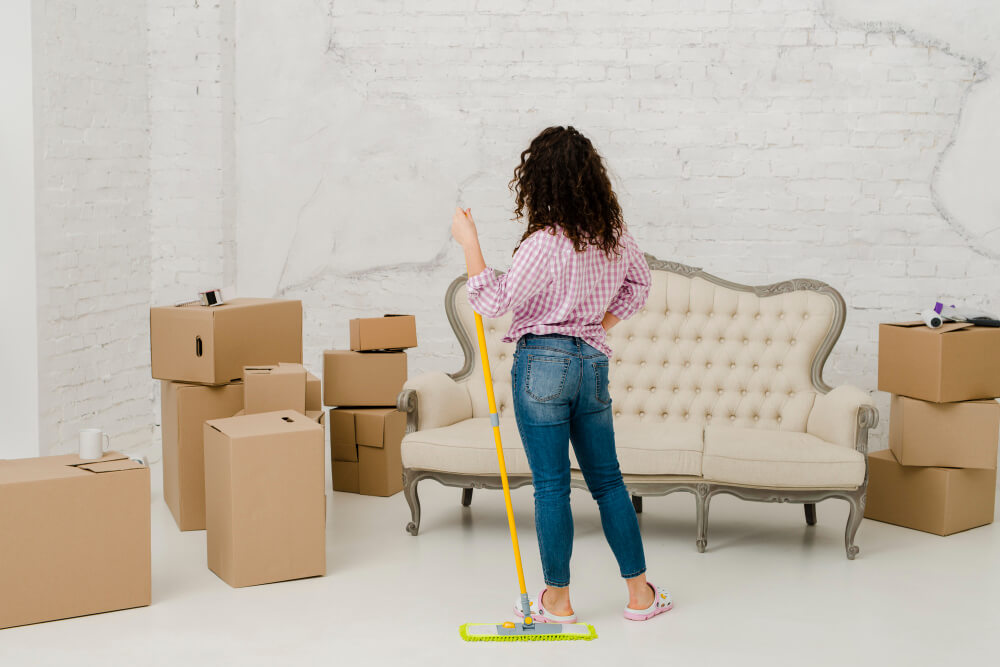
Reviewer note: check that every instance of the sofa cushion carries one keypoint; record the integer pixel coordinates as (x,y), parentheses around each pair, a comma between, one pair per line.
(762,457)
(644,448)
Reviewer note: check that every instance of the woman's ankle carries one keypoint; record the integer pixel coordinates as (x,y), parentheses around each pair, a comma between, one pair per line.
(640,593)
(557,601)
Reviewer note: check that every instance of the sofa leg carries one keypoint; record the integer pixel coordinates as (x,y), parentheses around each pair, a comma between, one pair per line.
(702,498)
(810,514)
(637,504)
(410,481)
(857,504)
(466,497)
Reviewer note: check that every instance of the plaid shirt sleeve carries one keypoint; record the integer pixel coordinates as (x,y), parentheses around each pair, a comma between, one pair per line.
(632,294)
(529,274)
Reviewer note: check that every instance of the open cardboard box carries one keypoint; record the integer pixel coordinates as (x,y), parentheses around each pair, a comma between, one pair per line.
(74,537)
(365,450)
(184,409)
(211,345)
(265,500)
(956,362)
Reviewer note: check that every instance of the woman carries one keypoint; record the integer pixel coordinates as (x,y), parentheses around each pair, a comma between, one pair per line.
(576,273)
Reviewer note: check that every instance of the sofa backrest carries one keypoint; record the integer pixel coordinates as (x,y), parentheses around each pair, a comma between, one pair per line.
(702,350)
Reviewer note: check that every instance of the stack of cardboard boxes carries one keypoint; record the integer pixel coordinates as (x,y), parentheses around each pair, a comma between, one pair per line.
(362,384)
(939,473)
(242,436)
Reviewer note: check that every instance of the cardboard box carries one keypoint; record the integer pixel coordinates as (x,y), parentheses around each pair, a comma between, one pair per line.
(345,476)
(184,409)
(952,435)
(956,362)
(314,393)
(390,332)
(935,500)
(274,387)
(265,502)
(74,537)
(211,345)
(362,378)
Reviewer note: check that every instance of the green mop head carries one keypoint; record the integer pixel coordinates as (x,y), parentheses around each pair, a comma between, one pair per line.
(521,632)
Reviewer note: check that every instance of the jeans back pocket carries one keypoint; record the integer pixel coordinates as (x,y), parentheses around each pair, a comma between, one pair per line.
(545,377)
(601,392)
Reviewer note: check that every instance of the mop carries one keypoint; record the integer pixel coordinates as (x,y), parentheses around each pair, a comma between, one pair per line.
(524,629)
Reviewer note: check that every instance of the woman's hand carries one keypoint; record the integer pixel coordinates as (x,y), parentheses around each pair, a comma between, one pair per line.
(463,227)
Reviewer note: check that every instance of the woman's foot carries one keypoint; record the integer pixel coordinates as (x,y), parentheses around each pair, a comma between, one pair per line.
(660,602)
(555,608)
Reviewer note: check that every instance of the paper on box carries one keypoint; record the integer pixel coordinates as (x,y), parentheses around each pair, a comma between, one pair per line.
(955,435)
(265,498)
(390,332)
(935,500)
(211,345)
(956,362)
(184,409)
(362,378)
(74,537)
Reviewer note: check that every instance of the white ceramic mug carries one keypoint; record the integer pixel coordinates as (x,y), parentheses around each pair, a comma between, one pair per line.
(92,443)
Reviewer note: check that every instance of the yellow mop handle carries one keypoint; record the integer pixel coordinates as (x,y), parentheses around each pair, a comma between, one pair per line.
(495,420)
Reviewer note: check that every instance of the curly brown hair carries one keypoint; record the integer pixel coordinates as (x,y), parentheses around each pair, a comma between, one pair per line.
(562,182)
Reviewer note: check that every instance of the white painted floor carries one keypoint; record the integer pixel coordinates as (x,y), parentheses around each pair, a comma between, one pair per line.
(768,591)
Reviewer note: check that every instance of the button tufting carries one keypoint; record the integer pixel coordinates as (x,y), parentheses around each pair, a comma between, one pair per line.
(792,342)
(630,336)
(708,415)
(685,415)
(708,364)
(767,341)
(502,356)
(719,392)
(618,362)
(779,366)
(733,316)
(781,316)
(664,364)
(697,390)
(641,413)
(743,392)
(756,418)
(732,364)
(642,364)
(756,367)
(618,414)
(805,316)
(767,393)
(663,414)
(722,340)
(779,420)
(698,339)
(653,339)
(732,418)
(676,389)
(628,388)
(686,364)
(746,341)
(756,316)
(677,339)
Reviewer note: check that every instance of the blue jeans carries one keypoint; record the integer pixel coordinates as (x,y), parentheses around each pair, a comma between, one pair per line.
(561,396)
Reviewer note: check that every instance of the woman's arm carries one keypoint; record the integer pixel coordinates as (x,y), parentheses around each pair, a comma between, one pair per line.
(634,291)
(610,320)
(489,295)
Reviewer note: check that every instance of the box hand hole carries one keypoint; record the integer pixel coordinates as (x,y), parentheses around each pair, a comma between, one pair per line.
(197,346)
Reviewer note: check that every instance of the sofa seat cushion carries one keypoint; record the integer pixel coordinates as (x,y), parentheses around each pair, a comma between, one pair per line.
(647,447)
(466,447)
(786,459)
(644,448)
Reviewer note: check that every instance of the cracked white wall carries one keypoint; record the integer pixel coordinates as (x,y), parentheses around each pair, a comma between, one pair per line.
(759,139)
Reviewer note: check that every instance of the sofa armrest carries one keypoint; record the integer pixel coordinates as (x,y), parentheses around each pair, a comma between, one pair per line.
(843,417)
(434,399)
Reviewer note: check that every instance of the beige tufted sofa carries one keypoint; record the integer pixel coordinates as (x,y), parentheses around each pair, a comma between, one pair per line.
(716,387)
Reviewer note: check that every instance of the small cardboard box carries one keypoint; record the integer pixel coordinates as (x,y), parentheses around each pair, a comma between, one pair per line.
(314,393)
(951,435)
(362,378)
(956,362)
(211,345)
(935,500)
(265,502)
(184,409)
(74,537)
(274,387)
(390,332)
(345,476)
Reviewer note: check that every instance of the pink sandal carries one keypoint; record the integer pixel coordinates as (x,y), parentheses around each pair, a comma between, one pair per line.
(662,602)
(539,614)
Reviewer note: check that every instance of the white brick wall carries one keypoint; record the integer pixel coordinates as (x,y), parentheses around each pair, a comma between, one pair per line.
(92,222)
(758,139)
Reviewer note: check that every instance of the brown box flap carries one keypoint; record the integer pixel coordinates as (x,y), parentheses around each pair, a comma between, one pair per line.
(263,423)
(116,465)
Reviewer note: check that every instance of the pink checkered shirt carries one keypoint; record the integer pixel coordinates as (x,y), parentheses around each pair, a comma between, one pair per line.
(552,288)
